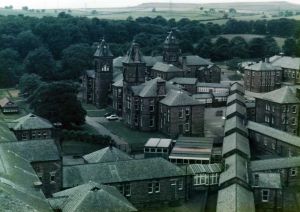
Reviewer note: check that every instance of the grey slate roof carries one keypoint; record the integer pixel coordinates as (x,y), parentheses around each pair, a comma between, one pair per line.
(211,85)
(235,167)
(274,133)
(178,98)
(134,54)
(35,150)
(275,163)
(195,60)
(5,134)
(90,73)
(285,62)
(7,102)
(284,95)
(236,108)
(17,178)
(107,154)
(91,197)
(164,67)
(120,171)
(103,50)
(231,98)
(205,168)
(184,80)
(31,121)
(236,141)
(235,123)
(159,142)
(262,66)
(192,148)
(202,96)
(267,180)
(235,198)
(237,87)
(118,83)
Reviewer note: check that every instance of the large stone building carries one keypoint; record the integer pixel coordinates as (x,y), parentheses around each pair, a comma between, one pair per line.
(262,77)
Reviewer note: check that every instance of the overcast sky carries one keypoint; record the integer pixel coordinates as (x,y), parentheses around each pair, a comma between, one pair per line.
(103,3)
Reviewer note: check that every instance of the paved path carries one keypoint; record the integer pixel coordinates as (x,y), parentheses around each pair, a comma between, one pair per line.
(94,122)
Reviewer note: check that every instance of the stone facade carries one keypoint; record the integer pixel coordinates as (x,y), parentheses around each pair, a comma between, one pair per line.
(34,134)
(209,74)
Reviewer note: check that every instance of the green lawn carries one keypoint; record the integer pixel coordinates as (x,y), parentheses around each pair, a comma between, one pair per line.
(134,138)
(93,111)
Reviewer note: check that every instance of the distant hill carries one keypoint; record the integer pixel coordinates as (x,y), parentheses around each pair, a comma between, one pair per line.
(241,6)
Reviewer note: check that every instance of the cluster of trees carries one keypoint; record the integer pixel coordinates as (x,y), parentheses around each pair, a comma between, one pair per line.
(59,48)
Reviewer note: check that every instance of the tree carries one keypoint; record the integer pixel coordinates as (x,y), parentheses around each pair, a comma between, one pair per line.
(57,102)
(257,48)
(239,47)
(29,83)
(40,61)
(26,41)
(271,46)
(289,47)
(25,8)
(204,47)
(75,59)
(221,49)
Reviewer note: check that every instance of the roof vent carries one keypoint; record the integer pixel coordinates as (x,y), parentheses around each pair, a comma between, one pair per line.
(32,115)
(95,189)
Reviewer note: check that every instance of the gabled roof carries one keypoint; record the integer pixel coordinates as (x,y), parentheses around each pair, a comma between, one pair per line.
(274,133)
(262,66)
(236,141)
(184,80)
(235,108)
(118,83)
(235,97)
(90,73)
(284,95)
(266,180)
(107,154)
(120,171)
(205,168)
(164,67)
(237,87)
(195,60)
(17,184)
(35,150)
(235,167)
(31,121)
(179,98)
(235,123)
(275,163)
(103,50)
(90,197)
(134,54)
(235,198)
(285,62)
(6,102)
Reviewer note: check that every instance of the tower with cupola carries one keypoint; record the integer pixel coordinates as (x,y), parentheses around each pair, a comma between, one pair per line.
(171,50)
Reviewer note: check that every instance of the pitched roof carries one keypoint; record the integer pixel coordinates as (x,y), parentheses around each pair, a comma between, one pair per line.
(134,54)
(205,168)
(235,123)
(5,134)
(285,62)
(284,95)
(235,167)
(267,180)
(274,133)
(90,197)
(159,142)
(235,108)
(212,85)
(262,66)
(118,83)
(35,150)
(236,96)
(275,163)
(184,80)
(103,50)
(235,198)
(164,67)
(107,154)
(236,141)
(6,102)
(120,171)
(178,98)
(17,179)
(31,121)
(90,73)
(237,87)
(195,60)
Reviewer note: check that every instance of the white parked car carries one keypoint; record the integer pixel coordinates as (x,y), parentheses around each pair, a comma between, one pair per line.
(112,117)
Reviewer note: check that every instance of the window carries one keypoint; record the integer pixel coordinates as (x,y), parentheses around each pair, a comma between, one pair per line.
(187,111)
(150,188)
(173,182)
(25,135)
(128,101)
(180,113)
(187,127)
(290,154)
(265,195)
(125,189)
(272,120)
(151,105)
(214,179)
(153,187)
(293,121)
(268,107)
(136,104)
(156,187)
(151,121)
(293,172)
(294,109)
(40,175)
(52,177)
(168,115)
(273,146)
(267,119)
(180,184)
